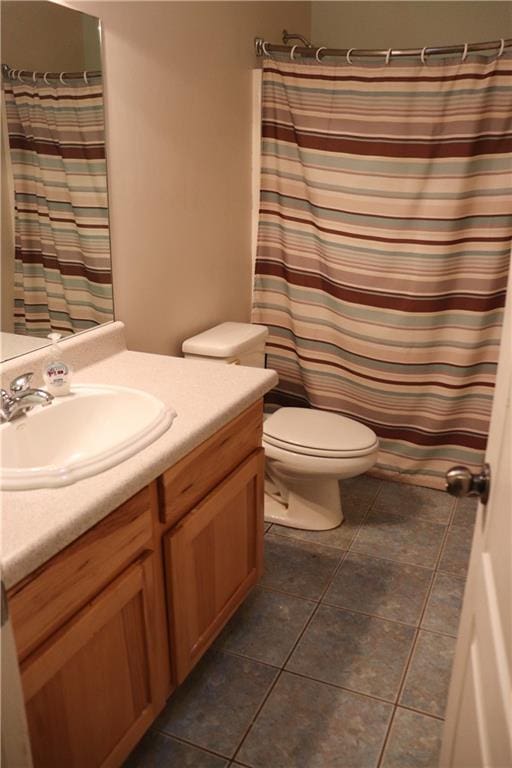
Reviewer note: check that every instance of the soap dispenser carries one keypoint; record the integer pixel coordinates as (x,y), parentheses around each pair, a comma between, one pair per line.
(56,373)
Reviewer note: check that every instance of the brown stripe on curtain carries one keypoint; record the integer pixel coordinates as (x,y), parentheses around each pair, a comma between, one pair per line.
(384,246)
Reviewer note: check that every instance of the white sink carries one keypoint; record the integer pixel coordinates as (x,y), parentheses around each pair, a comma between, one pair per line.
(89,430)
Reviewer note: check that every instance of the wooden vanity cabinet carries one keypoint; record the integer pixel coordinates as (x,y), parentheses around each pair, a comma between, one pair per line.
(212,558)
(108,627)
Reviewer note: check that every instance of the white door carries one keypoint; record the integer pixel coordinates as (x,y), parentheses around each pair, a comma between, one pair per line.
(478,727)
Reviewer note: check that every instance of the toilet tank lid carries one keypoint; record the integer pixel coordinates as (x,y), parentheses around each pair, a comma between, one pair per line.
(226,340)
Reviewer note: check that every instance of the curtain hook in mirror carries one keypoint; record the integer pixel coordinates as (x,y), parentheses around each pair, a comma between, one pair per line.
(45,78)
(422,56)
(292,52)
(349,60)
(20,71)
(61,78)
(34,77)
(464,54)
(85,78)
(317,54)
(388,56)
(502,48)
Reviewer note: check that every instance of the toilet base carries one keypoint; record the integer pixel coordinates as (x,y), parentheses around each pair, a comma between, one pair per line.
(312,505)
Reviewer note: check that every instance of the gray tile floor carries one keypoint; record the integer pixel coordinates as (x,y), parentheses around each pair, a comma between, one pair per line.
(341,657)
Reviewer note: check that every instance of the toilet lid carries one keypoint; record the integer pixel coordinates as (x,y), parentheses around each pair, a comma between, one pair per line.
(318,433)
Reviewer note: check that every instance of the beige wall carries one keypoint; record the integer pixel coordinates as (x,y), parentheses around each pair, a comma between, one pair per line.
(178,106)
(46,36)
(406,24)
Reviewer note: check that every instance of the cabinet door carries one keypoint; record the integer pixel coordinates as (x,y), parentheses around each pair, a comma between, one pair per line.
(89,688)
(213,557)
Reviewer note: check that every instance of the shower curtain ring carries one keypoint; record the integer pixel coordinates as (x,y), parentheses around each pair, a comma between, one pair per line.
(423,59)
(45,78)
(465,53)
(20,71)
(317,54)
(292,52)
(502,48)
(349,60)
(388,56)
(264,49)
(61,78)
(85,78)
(34,75)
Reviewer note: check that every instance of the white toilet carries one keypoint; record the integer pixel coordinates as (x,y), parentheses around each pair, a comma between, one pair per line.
(307,450)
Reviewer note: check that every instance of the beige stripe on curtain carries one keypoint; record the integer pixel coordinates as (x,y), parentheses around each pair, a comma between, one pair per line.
(383,249)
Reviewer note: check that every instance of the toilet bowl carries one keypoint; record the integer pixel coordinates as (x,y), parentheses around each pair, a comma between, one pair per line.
(307,451)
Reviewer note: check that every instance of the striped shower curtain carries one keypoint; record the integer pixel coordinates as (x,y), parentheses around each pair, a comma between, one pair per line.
(63,276)
(383,249)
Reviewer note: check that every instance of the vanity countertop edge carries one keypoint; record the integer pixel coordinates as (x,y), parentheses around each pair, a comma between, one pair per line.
(38,524)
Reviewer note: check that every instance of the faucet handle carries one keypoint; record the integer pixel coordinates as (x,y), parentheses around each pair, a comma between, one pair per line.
(21,383)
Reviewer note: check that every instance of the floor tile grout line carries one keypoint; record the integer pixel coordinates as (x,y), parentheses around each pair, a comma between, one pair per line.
(416,628)
(421,712)
(305,676)
(241,655)
(188,743)
(386,618)
(356,552)
(422,615)
(256,714)
(386,737)
(373,697)
(323,601)
(441,549)
(289,594)
(414,642)
(328,583)
(297,540)
(391,701)
(299,637)
(388,733)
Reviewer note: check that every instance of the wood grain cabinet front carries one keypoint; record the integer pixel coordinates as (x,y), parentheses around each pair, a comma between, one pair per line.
(212,558)
(90,689)
(97,639)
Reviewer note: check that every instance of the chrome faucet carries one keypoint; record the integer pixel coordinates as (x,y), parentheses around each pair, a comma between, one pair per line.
(21,398)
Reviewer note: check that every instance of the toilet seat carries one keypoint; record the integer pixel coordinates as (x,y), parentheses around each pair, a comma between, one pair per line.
(316,433)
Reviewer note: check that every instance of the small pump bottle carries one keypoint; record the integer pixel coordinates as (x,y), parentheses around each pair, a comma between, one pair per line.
(56,373)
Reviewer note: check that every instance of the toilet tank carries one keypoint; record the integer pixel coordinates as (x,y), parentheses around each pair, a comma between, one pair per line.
(236,343)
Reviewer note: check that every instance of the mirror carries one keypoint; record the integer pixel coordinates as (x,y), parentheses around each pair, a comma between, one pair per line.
(55,252)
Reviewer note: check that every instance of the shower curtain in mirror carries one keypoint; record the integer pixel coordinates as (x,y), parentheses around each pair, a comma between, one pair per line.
(62,249)
(383,249)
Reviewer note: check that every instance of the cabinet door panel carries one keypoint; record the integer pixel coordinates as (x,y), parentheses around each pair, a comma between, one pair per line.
(88,690)
(213,557)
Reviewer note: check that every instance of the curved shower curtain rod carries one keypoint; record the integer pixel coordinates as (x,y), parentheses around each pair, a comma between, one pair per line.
(308,50)
(26,75)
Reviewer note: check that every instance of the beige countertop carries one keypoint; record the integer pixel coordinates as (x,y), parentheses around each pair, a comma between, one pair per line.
(39,523)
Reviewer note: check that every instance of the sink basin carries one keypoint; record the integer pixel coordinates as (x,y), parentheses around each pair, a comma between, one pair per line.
(89,430)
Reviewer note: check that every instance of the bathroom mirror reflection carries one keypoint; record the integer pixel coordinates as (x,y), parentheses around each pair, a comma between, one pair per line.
(55,256)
